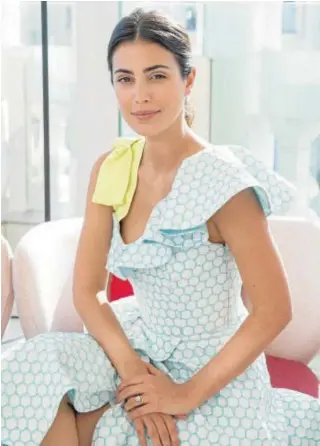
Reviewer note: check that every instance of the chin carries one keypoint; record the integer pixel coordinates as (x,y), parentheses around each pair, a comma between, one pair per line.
(148,129)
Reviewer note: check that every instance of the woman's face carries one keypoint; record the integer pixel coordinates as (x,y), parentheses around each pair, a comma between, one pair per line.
(149,86)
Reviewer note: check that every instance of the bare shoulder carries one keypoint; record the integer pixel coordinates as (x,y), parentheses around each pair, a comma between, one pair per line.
(98,163)
(94,175)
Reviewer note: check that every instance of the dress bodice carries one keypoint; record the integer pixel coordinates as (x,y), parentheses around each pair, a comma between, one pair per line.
(185,286)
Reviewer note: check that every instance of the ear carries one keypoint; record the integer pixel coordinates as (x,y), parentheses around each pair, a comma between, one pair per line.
(190,81)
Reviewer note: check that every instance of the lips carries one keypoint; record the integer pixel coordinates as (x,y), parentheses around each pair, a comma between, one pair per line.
(145,113)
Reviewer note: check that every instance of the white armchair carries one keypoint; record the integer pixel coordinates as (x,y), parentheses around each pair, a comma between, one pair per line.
(42,276)
(298,241)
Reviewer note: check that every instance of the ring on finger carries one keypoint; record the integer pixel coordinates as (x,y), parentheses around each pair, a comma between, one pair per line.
(138,399)
(133,402)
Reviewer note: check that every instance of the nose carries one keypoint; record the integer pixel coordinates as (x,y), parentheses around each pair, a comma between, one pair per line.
(141,93)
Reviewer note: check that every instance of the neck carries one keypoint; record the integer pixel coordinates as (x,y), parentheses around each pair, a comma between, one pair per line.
(167,150)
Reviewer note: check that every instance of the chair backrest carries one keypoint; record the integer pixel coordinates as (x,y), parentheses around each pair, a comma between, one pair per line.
(44,259)
(298,241)
(42,274)
(6,284)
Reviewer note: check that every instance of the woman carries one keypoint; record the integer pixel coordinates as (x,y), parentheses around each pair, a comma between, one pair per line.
(182,363)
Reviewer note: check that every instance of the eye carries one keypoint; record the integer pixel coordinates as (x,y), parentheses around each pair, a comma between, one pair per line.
(158,76)
(124,80)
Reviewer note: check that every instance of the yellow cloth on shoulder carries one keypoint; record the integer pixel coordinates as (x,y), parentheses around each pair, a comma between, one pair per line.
(118,175)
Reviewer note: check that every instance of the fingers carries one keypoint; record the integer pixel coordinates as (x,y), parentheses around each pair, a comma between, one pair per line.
(132,403)
(129,392)
(160,423)
(161,429)
(139,425)
(141,411)
(153,432)
(172,430)
(131,382)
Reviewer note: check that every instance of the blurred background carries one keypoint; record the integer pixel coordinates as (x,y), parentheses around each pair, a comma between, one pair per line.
(258,85)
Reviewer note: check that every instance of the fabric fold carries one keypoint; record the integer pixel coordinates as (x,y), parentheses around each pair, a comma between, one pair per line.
(204,183)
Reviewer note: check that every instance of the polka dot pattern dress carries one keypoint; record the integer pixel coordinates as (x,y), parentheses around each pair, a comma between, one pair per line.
(187,305)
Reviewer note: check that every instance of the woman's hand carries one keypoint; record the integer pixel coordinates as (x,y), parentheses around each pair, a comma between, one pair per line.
(161,429)
(159,394)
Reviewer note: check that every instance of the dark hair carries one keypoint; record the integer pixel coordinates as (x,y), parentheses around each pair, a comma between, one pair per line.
(153,26)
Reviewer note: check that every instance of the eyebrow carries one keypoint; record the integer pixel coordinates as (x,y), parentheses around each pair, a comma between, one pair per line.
(146,70)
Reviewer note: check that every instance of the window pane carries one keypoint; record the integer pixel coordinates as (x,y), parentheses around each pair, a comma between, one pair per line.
(83,109)
(266,92)
(22,117)
(289,17)
(189,14)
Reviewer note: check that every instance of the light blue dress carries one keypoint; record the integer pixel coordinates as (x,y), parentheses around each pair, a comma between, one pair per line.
(187,305)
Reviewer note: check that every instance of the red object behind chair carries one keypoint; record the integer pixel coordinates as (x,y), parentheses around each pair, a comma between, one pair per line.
(118,288)
(293,375)
(284,373)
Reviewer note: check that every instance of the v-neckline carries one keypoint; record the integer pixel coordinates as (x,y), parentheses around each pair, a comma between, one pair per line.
(160,202)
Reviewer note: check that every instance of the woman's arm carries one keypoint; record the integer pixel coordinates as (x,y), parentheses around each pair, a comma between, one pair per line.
(243,226)
(90,277)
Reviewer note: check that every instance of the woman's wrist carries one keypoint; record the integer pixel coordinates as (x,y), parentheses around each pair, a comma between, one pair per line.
(132,367)
(195,392)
